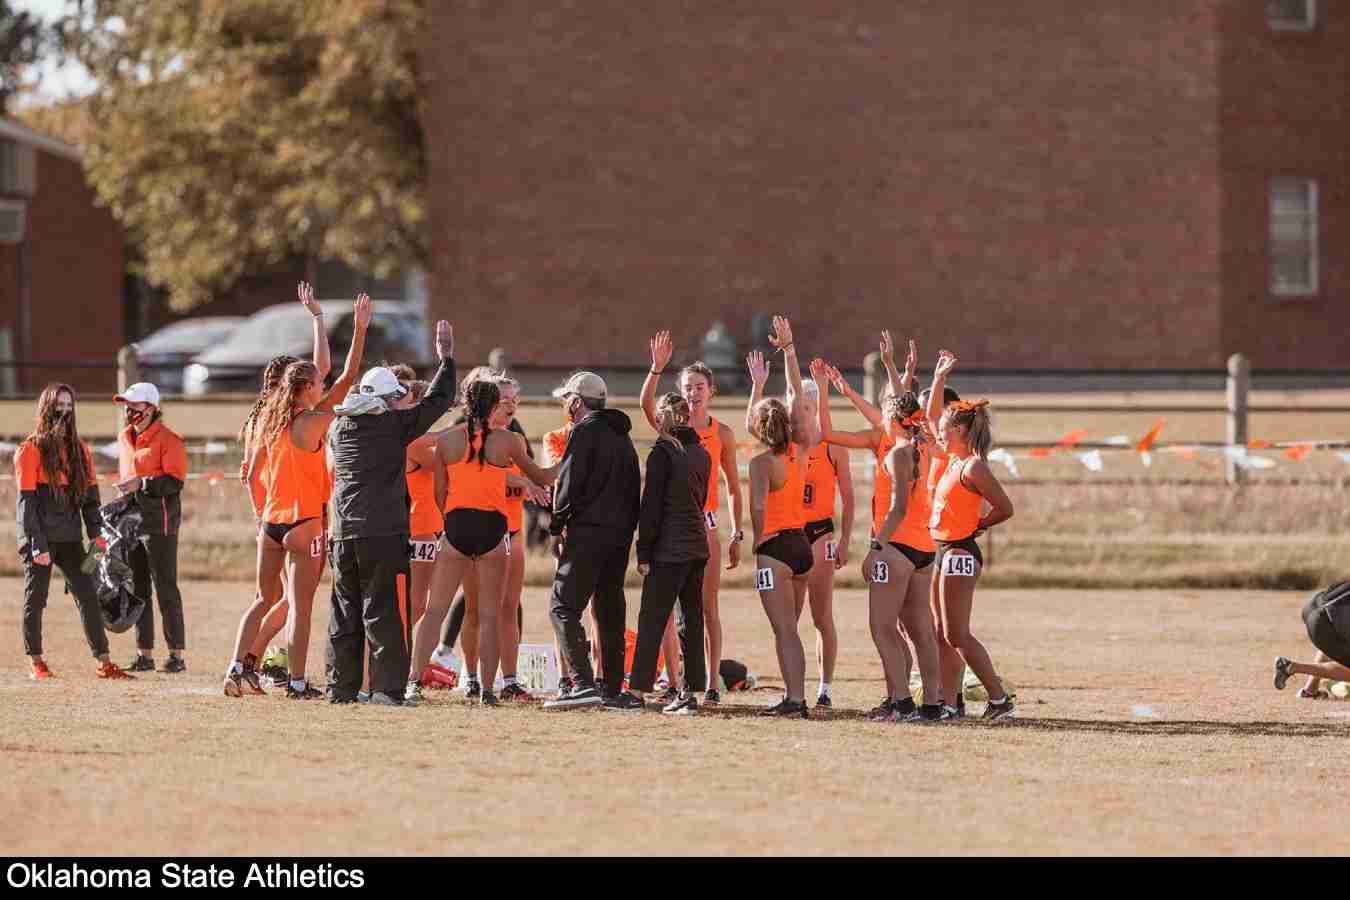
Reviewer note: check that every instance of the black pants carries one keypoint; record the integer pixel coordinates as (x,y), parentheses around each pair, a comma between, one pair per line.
(370,604)
(591,566)
(665,583)
(156,559)
(454,622)
(36,582)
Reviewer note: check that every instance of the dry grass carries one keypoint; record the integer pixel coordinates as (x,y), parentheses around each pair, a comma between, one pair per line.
(1148,725)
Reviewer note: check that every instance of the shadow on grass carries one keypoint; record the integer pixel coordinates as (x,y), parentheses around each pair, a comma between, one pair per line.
(1183,728)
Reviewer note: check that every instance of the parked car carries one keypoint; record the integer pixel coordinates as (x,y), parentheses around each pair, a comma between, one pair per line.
(397,334)
(164,353)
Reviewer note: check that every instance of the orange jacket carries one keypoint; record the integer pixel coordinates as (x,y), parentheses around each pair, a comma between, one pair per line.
(157,457)
(45,518)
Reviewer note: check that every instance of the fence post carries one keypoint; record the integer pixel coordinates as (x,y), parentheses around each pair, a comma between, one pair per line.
(1239,382)
(128,367)
(873,376)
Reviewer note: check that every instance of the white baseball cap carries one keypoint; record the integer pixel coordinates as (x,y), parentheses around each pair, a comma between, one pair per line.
(140,392)
(584,384)
(381,382)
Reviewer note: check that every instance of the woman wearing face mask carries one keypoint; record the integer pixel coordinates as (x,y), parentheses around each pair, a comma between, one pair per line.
(152,463)
(57,488)
(697,385)
(965,434)
(288,458)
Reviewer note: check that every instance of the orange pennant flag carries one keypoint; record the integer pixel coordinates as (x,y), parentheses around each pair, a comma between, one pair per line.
(1147,443)
(1259,445)
(1040,452)
(215,478)
(1297,452)
(1071,440)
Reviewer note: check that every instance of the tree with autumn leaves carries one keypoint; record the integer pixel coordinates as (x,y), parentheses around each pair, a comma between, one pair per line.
(230,135)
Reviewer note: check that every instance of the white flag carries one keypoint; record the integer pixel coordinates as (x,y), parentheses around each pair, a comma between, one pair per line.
(1003,456)
(1092,459)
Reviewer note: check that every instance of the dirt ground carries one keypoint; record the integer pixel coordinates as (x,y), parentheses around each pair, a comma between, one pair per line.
(1147,724)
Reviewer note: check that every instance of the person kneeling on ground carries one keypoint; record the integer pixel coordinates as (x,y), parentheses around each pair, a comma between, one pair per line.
(1327,618)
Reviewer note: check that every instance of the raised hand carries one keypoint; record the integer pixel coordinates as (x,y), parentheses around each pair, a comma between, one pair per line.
(820,373)
(306,293)
(661,351)
(836,378)
(758,366)
(912,361)
(781,339)
(887,349)
(445,340)
(364,311)
(945,363)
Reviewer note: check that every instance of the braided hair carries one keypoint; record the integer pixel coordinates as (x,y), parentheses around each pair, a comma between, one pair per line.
(905,410)
(279,410)
(271,377)
(480,398)
(58,445)
(672,411)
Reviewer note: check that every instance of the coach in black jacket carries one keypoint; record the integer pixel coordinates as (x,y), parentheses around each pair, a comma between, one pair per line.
(595,507)
(672,552)
(368,546)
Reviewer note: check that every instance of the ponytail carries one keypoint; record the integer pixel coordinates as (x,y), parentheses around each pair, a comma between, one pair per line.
(771,423)
(905,410)
(974,417)
(480,397)
(672,411)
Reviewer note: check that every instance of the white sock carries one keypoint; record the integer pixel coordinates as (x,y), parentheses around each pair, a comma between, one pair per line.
(1000,701)
(298,684)
(824,688)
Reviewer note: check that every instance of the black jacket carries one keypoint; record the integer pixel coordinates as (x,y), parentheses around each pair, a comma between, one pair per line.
(45,518)
(599,483)
(370,483)
(671,528)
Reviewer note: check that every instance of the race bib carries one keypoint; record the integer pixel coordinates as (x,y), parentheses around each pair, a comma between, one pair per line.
(423,551)
(508,544)
(808,493)
(316,548)
(831,550)
(514,493)
(764,579)
(962,564)
(881,573)
(711,519)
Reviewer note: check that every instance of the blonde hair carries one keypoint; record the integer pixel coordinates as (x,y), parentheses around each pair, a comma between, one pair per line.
(771,423)
(282,404)
(974,417)
(672,411)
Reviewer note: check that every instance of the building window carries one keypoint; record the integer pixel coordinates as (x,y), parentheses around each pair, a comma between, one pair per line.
(1291,15)
(18,168)
(1293,237)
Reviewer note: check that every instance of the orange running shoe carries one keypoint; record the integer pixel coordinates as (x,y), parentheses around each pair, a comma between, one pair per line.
(40,671)
(113,672)
(435,676)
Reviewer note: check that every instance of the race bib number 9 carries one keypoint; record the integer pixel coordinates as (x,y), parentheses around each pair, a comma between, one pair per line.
(422,551)
(881,573)
(711,519)
(764,579)
(961,564)
(808,493)
(831,550)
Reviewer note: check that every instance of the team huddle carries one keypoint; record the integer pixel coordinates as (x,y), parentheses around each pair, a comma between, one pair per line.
(423,529)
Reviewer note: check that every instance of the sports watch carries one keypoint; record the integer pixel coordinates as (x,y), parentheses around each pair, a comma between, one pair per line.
(877,545)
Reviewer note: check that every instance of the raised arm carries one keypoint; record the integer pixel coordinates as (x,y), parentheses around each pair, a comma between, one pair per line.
(361,321)
(782,341)
(945,363)
(867,410)
(759,374)
(661,349)
(899,383)
(440,395)
(857,440)
(322,359)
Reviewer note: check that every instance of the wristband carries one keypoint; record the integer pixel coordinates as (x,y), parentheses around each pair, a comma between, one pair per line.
(654,372)
(877,545)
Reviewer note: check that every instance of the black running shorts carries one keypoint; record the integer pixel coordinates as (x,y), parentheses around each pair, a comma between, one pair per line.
(920,558)
(818,529)
(791,549)
(474,532)
(1323,633)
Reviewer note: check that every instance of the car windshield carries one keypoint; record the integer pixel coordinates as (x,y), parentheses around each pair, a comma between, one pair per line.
(273,330)
(188,336)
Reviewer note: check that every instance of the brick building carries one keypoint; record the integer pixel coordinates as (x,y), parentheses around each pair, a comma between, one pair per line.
(61,266)
(1034,184)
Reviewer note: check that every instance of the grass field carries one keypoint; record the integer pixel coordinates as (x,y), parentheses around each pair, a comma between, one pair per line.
(1147,724)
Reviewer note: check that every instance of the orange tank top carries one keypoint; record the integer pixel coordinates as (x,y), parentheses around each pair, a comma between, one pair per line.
(913,530)
(711,439)
(297,481)
(476,483)
(956,508)
(783,508)
(515,503)
(818,494)
(423,515)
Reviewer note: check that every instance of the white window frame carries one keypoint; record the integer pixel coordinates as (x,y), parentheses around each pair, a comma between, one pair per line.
(1312,220)
(1308,24)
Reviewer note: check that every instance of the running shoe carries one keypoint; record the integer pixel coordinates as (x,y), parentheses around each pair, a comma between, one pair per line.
(380,698)
(788,709)
(473,689)
(363,696)
(684,705)
(903,710)
(882,711)
(959,710)
(276,675)
(579,696)
(173,665)
(564,687)
(925,713)
(413,692)
(995,711)
(488,699)
(712,697)
(668,696)
(309,693)
(624,702)
(113,672)
(439,677)
(823,701)
(250,675)
(1282,673)
(1312,695)
(39,670)
(141,663)
(515,692)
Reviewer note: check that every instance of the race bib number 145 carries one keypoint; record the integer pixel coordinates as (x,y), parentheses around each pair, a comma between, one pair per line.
(960,564)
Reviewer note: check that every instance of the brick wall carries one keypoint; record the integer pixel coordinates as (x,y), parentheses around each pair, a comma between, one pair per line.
(1285,111)
(1031,184)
